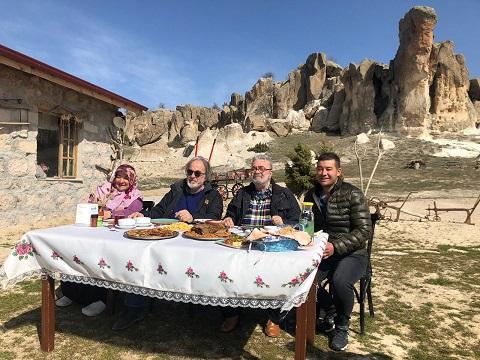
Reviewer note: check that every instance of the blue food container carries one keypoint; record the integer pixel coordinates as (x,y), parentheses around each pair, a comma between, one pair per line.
(275,244)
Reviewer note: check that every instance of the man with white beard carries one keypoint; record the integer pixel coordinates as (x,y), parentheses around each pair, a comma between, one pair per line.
(191,198)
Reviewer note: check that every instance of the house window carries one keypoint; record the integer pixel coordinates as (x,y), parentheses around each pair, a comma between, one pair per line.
(57,146)
(13,111)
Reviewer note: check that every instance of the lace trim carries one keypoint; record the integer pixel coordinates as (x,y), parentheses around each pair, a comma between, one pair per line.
(6,283)
(189,298)
(160,294)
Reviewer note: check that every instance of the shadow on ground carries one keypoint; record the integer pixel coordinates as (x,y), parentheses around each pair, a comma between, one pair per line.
(176,330)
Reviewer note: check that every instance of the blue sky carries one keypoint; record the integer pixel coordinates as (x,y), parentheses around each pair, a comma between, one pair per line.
(200,51)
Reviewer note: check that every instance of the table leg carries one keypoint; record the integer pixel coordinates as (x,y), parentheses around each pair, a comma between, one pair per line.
(312,313)
(301,332)
(48,314)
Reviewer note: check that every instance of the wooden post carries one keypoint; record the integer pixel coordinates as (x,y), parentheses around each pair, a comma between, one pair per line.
(196,146)
(48,314)
(211,150)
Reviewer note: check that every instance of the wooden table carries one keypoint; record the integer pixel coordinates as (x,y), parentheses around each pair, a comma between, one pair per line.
(304,332)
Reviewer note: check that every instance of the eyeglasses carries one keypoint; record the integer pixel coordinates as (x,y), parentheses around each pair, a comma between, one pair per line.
(197,173)
(259,168)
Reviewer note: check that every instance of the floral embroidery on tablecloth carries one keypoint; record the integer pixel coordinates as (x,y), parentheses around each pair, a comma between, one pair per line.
(191,274)
(298,280)
(103,264)
(224,277)
(56,256)
(161,270)
(260,283)
(77,260)
(130,266)
(23,250)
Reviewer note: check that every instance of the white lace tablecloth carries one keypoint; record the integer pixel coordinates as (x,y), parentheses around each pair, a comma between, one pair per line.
(177,269)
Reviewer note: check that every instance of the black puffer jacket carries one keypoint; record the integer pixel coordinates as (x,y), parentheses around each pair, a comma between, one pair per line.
(210,207)
(283,204)
(347,220)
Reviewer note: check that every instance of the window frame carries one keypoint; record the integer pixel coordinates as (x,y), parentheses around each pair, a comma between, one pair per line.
(72,125)
(66,123)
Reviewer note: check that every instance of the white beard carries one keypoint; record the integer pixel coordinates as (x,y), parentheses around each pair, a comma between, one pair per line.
(194,187)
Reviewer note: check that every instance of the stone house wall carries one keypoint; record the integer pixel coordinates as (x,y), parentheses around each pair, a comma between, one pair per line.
(28,201)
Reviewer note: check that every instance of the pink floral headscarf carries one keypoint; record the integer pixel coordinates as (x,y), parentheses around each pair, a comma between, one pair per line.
(120,199)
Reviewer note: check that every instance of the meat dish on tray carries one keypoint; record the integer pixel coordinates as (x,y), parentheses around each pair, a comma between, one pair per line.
(208,231)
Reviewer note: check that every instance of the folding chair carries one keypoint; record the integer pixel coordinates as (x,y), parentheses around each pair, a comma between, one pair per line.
(366,281)
(365,290)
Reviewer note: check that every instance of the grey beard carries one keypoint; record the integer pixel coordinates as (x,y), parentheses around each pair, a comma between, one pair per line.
(260,182)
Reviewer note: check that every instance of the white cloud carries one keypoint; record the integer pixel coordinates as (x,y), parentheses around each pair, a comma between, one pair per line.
(98,53)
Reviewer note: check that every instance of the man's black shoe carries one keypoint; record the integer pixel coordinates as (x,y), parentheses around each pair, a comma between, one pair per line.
(327,324)
(339,340)
(128,318)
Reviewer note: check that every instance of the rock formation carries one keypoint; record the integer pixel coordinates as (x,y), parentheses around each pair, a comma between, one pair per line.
(451,107)
(424,88)
(357,111)
(429,90)
(412,74)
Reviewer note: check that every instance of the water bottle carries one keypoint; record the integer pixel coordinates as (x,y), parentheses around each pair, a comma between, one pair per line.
(306,218)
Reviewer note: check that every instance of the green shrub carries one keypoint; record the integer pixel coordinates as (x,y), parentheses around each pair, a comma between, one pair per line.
(300,171)
(259,148)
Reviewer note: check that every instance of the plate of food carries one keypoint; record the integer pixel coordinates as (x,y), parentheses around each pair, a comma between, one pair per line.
(178,226)
(233,241)
(163,221)
(208,232)
(151,234)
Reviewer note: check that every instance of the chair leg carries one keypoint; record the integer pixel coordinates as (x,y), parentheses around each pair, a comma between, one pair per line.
(362,306)
(369,297)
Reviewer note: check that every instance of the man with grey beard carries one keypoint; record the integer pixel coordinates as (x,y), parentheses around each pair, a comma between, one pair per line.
(263,202)
(191,198)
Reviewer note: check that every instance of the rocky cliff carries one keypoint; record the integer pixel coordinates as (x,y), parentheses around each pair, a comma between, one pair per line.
(424,88)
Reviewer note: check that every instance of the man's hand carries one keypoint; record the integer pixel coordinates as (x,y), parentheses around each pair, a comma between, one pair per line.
(135,215)
(277,220)
(184,215)
(329,250)
(228,222)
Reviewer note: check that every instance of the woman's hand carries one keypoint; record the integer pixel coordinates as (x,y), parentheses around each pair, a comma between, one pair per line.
(107,214)
(135,215)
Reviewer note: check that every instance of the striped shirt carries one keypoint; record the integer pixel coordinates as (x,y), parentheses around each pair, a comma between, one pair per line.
(258,212)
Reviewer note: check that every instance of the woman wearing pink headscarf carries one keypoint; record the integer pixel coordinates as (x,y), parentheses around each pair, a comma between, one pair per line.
(121,197)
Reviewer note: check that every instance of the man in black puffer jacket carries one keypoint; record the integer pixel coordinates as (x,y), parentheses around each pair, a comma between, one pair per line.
(341,210)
